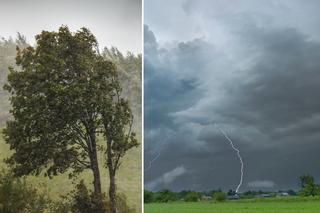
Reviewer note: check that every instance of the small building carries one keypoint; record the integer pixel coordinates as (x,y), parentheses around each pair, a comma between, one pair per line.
(206,197)
(284,194)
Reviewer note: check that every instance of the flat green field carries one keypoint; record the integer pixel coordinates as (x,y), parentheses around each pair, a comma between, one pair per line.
(235,207)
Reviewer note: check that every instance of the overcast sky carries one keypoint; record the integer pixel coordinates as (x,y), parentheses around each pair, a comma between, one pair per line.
(251,67)
(114,23)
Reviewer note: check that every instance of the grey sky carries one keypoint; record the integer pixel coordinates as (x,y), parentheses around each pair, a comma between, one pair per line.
(250,66)
(114,22)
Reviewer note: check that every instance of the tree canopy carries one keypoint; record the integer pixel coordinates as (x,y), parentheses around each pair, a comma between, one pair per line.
(63,96)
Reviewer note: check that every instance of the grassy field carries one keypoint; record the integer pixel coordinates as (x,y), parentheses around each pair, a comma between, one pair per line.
(128,179)
(280,206)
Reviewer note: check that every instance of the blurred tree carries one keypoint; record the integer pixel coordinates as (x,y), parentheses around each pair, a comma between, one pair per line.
(117,116)
(17,196)
(165,196)
(308,187)
(192,197)
(117,121)
(231,192)
(7,58)
(129,75)
(148,196)
(219,196)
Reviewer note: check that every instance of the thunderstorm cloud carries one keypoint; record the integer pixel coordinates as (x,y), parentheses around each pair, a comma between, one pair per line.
(250,66)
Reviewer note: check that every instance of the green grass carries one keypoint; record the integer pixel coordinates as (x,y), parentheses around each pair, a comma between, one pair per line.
(267,206)
(128,177)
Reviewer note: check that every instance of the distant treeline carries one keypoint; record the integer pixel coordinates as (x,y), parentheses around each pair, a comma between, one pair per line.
(216,195)
(308,187)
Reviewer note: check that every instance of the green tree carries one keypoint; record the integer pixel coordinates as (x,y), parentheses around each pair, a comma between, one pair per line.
(83,201)
(58,99)
(308,187)
(17,196)
(117,120)
(192,197)
(219,196)
(148,196)
(291,192)
(129,75)
(7,58)
(231,192)
(165,196)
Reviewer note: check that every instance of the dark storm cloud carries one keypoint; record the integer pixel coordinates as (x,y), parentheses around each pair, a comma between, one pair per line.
(259,83)
(114,23)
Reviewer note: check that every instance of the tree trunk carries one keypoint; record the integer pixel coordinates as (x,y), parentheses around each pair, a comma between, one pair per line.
(96,172)
(97,184)
(112,185)
(112,192)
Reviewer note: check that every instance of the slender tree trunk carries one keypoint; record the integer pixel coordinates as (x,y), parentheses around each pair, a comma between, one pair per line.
(94,164)
(112,184)
(112,192)
(96,172)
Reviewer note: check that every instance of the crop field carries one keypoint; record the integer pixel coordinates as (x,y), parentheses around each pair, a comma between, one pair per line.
(128,178)
(279,206)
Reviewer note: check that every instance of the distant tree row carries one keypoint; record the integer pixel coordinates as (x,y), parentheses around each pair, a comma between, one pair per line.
(215,195)
(166,195)
(308,187)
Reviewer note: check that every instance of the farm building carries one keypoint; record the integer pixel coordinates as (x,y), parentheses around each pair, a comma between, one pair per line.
(206,197)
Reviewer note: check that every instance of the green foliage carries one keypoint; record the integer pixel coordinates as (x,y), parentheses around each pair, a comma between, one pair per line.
(84,201)
(291,192)
(308,187)
(130,76)
(306,180)
(122,204)
(165,196)
(54,64)
(17,196)
(192,197)
(117,122)
(128,73)
(7,58)
(219,196)
(148,196)
(60,206)
(53,102)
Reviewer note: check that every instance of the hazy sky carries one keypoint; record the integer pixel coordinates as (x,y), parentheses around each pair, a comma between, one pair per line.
(114,23)
(253,68)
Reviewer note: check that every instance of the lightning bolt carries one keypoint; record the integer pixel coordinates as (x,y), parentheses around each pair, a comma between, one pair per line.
(158,155)
(154,159)
(239,156)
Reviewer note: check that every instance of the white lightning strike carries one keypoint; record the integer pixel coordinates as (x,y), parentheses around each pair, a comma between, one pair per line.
(158,155)
(238,153)
(154,159)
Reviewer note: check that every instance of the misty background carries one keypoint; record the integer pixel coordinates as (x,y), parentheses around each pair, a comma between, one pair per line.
(114,23)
